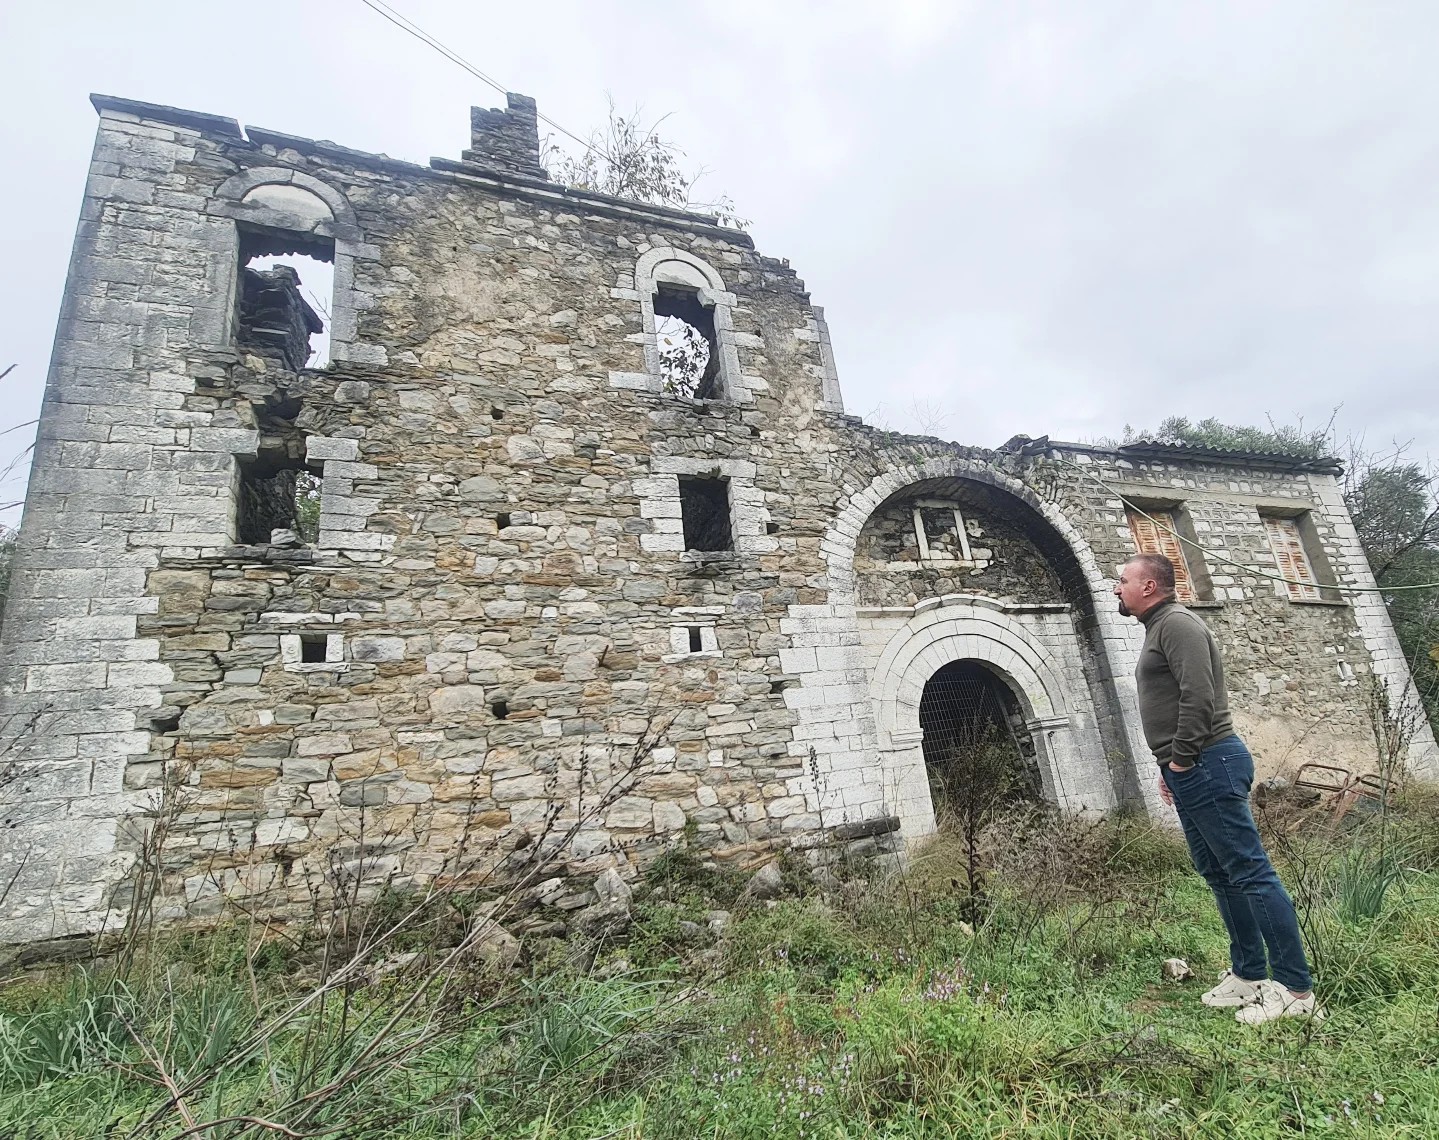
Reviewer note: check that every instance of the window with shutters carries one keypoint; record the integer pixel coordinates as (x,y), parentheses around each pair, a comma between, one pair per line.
(1287,543)
(1154,534)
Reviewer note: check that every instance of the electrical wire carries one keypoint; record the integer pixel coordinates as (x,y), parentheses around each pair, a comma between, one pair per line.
(1217,557)
(405,24)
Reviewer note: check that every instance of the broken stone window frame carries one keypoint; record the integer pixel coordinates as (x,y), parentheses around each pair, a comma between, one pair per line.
(270,299)
(681,370)
(926,553)
(286,207)
(682,273)
(259,479)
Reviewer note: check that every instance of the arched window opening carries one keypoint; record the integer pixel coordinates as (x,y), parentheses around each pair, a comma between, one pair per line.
(977,751)
(286,293)
(688,345)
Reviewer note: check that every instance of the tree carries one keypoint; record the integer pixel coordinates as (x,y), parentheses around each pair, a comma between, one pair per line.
(627,159)
(1394,502)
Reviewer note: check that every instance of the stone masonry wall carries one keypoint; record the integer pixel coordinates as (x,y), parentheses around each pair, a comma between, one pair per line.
(498,644)
(1298,671)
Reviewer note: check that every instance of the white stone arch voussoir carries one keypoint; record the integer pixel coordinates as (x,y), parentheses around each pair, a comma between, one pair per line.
(839,541)
(234,189)
(968,628)
(965,628)
(651,269)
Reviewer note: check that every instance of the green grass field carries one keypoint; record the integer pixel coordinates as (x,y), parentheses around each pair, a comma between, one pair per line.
(895,1007)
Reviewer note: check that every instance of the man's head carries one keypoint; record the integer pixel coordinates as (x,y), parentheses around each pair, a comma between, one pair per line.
(1144,581)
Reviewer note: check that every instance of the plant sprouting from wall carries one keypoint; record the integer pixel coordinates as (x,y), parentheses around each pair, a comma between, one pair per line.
(627,158)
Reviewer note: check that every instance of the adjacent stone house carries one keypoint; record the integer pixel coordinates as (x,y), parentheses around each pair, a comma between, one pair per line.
(493,579)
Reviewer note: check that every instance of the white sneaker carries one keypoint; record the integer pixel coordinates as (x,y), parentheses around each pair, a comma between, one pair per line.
(1273,1001)
(1231,991)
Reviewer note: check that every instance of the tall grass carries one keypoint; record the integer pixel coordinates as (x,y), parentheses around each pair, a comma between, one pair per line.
(879,1010)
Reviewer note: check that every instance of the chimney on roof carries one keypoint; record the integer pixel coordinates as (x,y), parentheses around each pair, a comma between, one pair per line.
(508,140)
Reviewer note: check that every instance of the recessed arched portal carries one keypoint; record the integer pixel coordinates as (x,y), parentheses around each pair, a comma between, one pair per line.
(978,750)
(1030,651)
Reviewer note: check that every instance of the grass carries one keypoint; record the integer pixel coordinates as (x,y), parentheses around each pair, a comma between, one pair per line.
(879,1011)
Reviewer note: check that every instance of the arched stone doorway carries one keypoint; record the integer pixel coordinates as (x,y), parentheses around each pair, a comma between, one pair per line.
(978,750)
(950,558)
(1027,649)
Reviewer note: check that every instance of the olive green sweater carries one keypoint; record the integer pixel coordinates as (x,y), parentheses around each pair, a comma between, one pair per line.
(1182,702)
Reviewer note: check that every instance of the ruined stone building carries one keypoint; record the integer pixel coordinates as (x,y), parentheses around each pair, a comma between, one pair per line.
(499,570)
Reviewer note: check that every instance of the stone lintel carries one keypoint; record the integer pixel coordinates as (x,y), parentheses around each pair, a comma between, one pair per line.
(865,829)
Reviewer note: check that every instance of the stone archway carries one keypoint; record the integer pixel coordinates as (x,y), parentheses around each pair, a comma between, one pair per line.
(848,733)
(978,750)
(1011,642)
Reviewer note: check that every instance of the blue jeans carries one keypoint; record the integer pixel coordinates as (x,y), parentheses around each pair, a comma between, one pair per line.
(1212,799)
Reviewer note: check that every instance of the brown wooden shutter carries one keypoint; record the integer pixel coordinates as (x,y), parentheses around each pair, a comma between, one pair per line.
(1152,539)
(1289,556)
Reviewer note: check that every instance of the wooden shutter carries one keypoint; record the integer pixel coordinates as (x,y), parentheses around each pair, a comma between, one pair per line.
(1289,556)
(1152,539)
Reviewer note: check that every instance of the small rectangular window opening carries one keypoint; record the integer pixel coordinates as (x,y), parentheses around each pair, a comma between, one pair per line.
(502,520)
(278,493)
(312,648)
(696,639)
(688,346)
(704,508)
(287,284)
(500,709)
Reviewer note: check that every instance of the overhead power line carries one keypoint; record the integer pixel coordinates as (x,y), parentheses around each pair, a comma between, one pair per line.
(405,24)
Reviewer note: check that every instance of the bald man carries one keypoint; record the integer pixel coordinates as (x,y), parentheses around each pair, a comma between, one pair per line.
(1205,772)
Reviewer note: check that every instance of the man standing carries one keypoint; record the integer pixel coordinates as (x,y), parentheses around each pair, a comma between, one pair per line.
(1205,772)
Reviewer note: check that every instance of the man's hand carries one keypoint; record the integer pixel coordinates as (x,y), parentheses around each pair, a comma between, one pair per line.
(1164,793)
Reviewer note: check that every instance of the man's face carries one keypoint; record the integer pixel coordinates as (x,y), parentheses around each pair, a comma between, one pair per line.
(1134,591)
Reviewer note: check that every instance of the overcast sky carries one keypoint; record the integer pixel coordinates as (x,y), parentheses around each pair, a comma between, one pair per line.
(1045,218)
